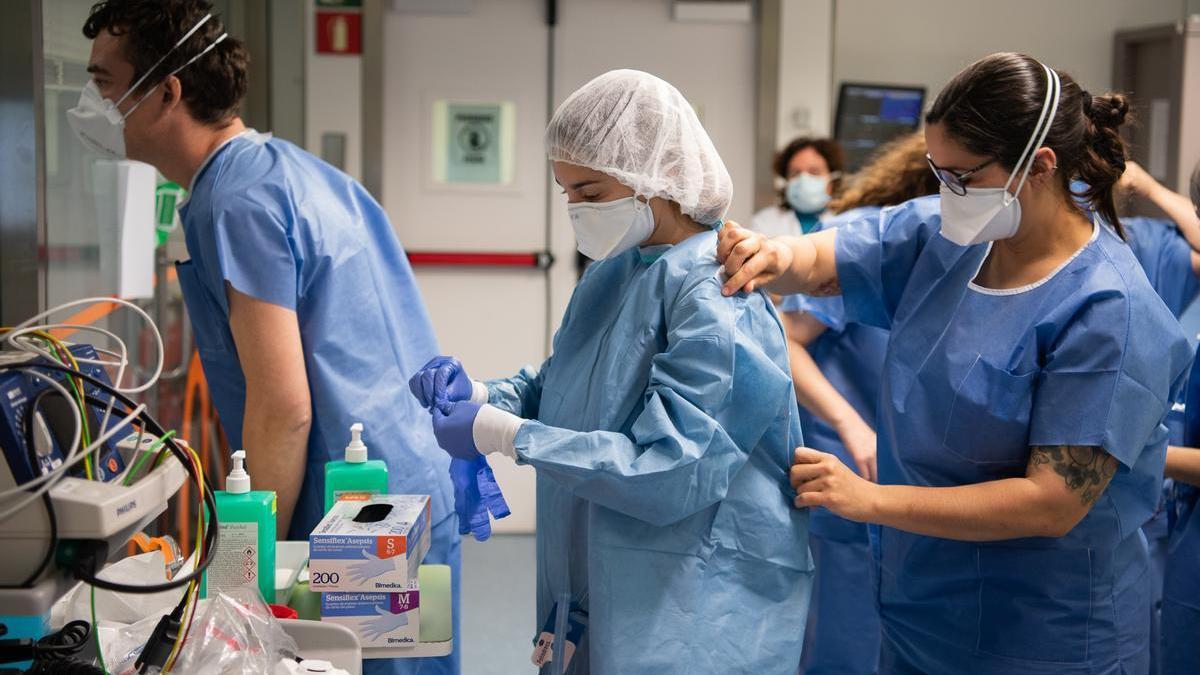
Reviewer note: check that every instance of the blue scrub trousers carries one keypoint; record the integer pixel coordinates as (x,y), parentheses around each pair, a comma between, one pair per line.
(843,633)
(1156,532)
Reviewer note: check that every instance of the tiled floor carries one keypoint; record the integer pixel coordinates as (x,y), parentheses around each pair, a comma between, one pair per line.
(498,605)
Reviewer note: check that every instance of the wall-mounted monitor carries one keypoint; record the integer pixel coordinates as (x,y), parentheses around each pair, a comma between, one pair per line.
(870,115)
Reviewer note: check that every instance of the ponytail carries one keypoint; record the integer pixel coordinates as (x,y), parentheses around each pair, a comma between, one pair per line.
(992,106)
(1103,160)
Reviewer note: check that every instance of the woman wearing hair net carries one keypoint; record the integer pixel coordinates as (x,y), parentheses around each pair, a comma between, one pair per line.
(662,425)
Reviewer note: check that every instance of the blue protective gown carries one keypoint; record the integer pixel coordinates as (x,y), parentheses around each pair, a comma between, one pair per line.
(663,433)
(842,635)
(1166,257)
(280,225)
(972,378)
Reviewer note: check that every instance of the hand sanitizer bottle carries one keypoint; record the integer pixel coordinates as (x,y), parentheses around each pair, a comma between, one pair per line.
(245,552)
(356,477)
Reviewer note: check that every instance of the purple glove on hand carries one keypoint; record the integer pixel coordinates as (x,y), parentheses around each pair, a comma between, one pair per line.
(453,425)
(442,380)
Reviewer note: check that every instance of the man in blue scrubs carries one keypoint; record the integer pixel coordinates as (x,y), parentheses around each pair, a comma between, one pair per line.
(306,315)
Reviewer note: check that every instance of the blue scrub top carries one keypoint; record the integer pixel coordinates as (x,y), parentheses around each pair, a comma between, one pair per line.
(1166,257)
(282,226)
(972,378)
(850,355)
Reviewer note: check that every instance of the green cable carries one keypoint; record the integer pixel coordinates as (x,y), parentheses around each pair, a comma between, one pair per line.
(96,633)
(149,451)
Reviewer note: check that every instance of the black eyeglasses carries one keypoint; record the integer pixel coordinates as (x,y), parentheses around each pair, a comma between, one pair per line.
(955,182)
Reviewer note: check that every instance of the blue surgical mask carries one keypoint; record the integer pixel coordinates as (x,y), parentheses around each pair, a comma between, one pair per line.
(807,193)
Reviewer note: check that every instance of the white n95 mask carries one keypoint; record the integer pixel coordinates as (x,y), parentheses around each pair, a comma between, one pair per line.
(96,120)
(98,123)
(991,214)
(606,229)
(983,214)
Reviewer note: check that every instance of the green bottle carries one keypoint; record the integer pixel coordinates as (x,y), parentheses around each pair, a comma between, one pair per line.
(246,546)
(356,477)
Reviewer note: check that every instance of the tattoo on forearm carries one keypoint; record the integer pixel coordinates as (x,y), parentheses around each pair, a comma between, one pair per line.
(1086,469)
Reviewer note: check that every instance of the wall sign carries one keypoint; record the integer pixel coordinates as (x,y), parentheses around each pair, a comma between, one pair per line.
(339,32)
(473,142)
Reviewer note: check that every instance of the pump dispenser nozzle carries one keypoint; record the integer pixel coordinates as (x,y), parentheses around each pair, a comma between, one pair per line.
(238,481)
(356,452)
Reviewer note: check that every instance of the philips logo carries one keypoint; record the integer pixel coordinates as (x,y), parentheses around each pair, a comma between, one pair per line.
(127,507)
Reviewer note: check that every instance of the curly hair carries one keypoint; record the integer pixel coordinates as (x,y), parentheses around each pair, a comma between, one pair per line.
(897,173)
(213,86)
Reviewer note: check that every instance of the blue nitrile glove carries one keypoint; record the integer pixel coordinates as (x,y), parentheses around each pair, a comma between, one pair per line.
(386,622)
(489,490)
(468,504)
(453,425)
(441,380)
(476,493)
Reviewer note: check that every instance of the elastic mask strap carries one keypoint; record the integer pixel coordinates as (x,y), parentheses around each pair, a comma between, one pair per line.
(190,61)
(158,63)
(219,40)
(638,205)
(1040,131)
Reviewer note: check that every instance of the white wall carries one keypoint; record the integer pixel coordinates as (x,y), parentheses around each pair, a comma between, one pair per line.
(926,42)
(1189,141)
(494,320)
(333,98)
(806,48)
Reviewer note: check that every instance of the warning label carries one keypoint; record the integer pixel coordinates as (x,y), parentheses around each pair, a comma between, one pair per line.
(236,561)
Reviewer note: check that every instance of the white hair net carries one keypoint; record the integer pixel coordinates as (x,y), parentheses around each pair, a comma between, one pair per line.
(640,130)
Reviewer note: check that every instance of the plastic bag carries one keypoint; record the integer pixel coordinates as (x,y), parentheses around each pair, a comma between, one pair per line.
(234,632)
(123,643)
(127,608)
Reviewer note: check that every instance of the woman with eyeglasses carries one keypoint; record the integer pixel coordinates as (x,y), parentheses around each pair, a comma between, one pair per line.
(1028,373)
